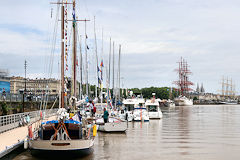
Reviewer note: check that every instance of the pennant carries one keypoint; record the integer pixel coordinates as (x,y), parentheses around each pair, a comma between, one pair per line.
(101,86)
(101,64)
(73,14)
(87,47)
(99,81)
(77,62)
(98,69)
(74,18)
(86,37)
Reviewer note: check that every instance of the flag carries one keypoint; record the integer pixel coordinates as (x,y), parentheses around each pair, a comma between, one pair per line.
(98,69)
(99,81)
(87,47)
(86,37)
(101,86)
(74,18)
(101,64)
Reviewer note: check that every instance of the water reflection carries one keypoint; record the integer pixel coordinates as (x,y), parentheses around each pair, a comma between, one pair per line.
(195,132)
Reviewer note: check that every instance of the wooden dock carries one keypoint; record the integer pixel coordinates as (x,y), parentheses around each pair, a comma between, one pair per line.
(12,139)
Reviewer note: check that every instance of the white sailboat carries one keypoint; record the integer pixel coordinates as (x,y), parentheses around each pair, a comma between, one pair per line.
(114,124)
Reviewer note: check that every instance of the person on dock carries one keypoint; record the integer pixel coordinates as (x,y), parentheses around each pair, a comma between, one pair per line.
(91,107)
(105,115)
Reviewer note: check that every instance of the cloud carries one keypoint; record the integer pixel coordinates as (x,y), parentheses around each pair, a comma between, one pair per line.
(154,35)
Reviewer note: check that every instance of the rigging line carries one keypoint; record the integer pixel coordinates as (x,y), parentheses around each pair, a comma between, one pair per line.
(51,58)
(85,5)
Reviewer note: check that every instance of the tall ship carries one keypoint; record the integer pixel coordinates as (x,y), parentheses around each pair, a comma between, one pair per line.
(64,136)
(183,84)
(228,93)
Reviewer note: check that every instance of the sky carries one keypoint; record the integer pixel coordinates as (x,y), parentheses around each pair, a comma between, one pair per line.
(154,35)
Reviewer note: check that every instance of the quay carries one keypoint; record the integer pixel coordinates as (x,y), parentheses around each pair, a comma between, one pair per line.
(12,135)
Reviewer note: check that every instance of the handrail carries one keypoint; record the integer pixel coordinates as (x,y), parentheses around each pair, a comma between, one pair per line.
(13,121)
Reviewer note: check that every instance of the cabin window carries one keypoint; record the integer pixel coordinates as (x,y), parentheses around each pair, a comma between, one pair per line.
(152,108)
(129,107)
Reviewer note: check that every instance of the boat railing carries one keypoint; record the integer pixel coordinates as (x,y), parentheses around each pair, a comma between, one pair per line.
(12,121)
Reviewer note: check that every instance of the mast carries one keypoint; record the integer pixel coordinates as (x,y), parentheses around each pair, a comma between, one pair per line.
(62,56)
(119,69)
(102,72)
(183,82)
(113,72)
(109,69)
(80,65)
(86,60)
(73,86)
(95,36)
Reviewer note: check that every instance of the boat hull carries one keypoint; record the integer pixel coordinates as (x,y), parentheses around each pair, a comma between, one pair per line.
(183,102)
(61,153)
(113,127)
(155,115)
(76,148)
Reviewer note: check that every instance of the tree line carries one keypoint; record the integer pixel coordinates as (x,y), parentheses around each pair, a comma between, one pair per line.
(161,92)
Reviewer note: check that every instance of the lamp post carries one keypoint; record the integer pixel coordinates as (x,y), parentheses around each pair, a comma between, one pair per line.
(25,85)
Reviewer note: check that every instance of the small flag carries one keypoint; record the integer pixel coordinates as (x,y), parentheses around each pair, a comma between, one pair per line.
(87,47)
(74,14)
(101,64)
(98,69)
(74,18)
(86,37)
(99,81)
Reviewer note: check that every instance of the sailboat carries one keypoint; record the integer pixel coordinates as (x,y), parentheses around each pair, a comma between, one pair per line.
(114,124)
(64,136)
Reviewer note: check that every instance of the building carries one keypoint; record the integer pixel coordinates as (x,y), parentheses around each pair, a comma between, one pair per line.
(38,86)
(34,86)
(4,81)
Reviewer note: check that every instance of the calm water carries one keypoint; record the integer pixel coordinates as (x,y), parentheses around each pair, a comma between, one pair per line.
(184,133)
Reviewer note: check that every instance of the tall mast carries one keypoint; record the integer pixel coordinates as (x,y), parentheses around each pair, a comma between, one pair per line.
(62,57)
(95,36)
(102,71)
(119,69)
(113,72)
(109,70)
(80,65)
(86,48)
(73,90)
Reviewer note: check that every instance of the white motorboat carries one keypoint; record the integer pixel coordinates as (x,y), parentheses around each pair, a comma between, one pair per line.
(140,112)
(128,105)
(170,103)
(183,101)
(153,109)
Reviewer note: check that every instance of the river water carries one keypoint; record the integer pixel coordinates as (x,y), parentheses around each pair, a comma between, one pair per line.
(184,133)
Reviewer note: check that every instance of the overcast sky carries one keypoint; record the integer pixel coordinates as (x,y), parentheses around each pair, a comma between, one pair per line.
(154,34)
